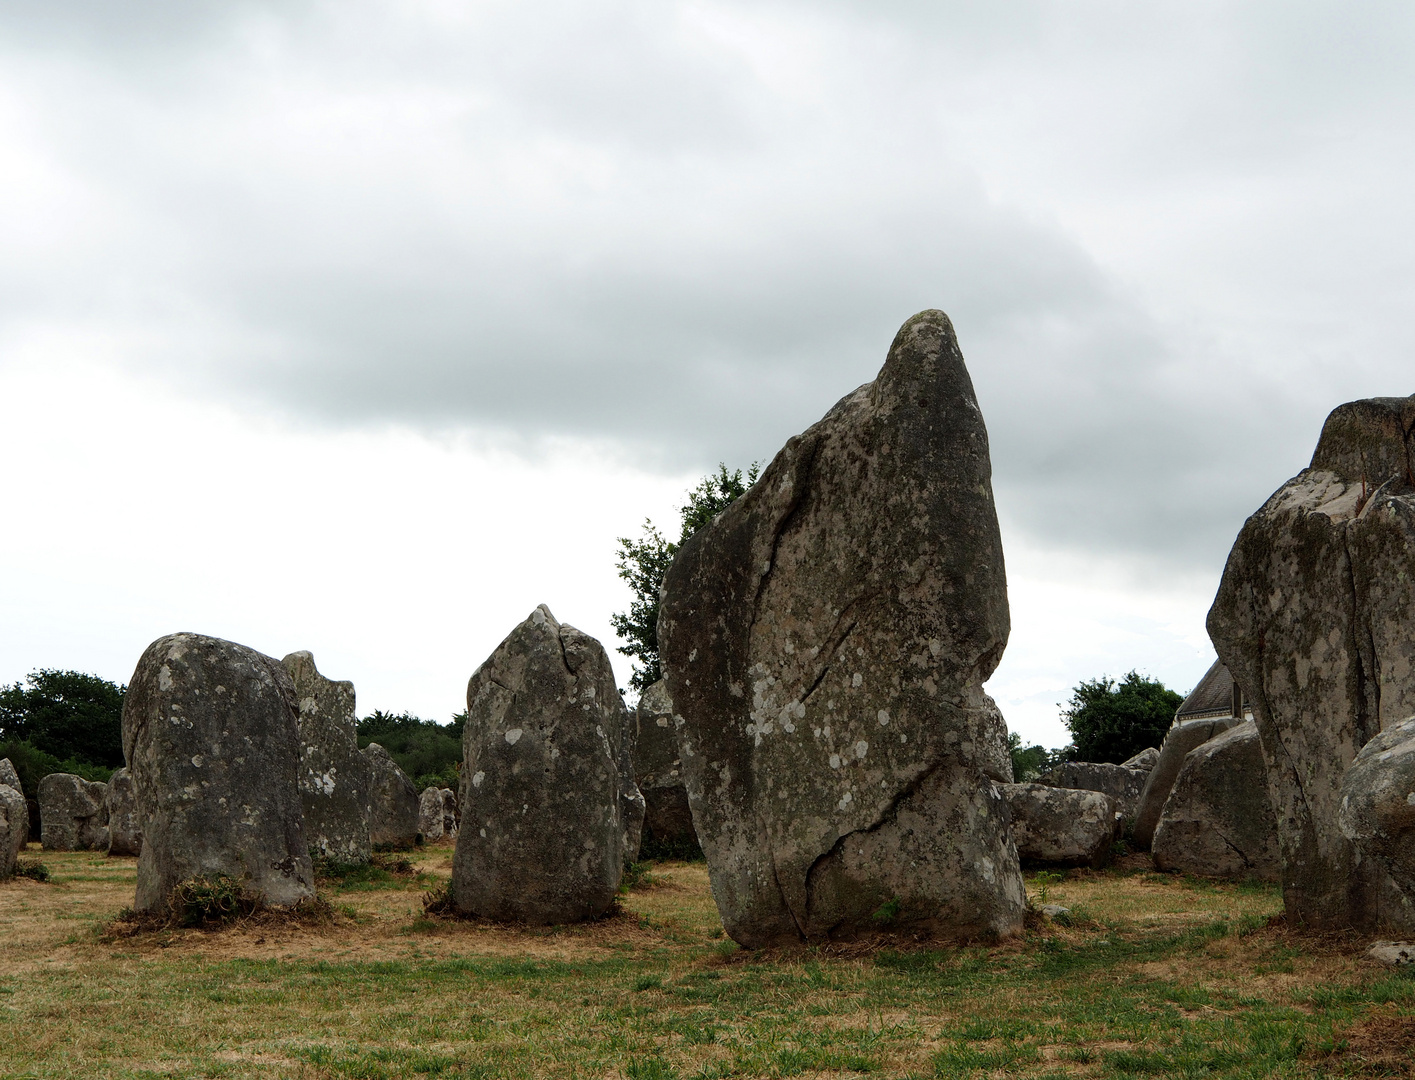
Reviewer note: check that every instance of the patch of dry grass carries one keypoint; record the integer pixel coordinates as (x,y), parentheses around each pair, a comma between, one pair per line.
(1154,976)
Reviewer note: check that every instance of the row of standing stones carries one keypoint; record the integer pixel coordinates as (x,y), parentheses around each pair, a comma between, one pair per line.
(822,726)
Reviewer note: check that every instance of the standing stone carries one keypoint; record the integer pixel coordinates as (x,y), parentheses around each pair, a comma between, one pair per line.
(1315,618)
(1218,820)
(211,735)
(658,771)
(392,802)
(1123,783)
(9,777)
(825,640)
(1061,826)
(451,815)
(14,827)
(124,831)
(542,837)
(1377,811)
(431,815)
(334,776)
(1178,742)
(72,814)
(632,807)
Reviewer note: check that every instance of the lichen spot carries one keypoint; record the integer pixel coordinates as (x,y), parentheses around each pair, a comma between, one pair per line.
(198,760)
(164,678)
(835,761)
(477,778)
(845,801)
(513,736)
(883,718)
(861,749)
(856,679)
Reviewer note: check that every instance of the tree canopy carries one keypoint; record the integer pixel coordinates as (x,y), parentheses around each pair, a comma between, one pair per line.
(429,752)
(1112,721)
(643,562)
(67,714)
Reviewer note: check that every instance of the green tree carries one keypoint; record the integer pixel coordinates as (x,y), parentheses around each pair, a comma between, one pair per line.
(1112,722)
(643,562)
(1028,762)
(66,714)
(429,752)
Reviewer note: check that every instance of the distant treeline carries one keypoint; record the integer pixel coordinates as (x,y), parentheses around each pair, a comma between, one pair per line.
(429,752)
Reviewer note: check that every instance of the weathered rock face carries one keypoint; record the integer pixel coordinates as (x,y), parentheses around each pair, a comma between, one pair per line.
(212,738)
(124,831)
(1377,810)
(1146,759)
(668,820)
(437,813)
(1061,826)
(1218,820)
(14,828)
(392,801)
(1314,619)
(72,814)
(1122,783)
(1178,742)
(825,641)
(542,836)
(334,776)
(8,776)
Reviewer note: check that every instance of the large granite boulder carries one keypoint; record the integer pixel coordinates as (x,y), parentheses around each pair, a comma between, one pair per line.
(1218,820)
(658,771)
(212,738)
(14,827)
(1377,810)
(1059,826)
(1315,618)
(72,813)
(124,829)
(1123,783)
(1178,742)
(334,776)
(825,640)
(542,794)
(1146,759)
(437,813)
(392,802)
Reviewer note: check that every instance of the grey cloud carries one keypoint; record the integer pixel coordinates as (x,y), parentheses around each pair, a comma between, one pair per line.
(690,229)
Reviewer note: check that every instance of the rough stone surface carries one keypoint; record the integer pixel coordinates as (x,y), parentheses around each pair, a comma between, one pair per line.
(1377,811)
(543,831)
(437,813)
(668,819)
(334,776)
(8,776)
(1146,759)
(1061,826)
(211,735)
(1392,953)
(14,828)
(1218,819)
(1178,741)
(1315,618)
(124,830)
(392,801)
(632,807)
(825,640)
(1122,783)
(72,814)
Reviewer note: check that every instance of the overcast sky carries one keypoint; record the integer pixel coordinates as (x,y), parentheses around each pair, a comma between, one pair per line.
(366,327)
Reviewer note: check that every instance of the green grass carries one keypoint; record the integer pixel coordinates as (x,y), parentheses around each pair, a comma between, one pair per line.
(653,993)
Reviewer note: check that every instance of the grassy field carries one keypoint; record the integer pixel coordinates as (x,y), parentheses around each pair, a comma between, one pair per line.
(1155,976)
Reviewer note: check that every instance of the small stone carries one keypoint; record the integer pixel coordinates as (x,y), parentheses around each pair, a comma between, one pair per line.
(1393,953)
(1054,911)
(392,802)
(124,830)
(1054,826)
(1146,759)
(72,814)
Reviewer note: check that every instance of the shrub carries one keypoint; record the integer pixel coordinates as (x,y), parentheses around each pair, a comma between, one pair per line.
(1112,722)
(202,901)
(32,869)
